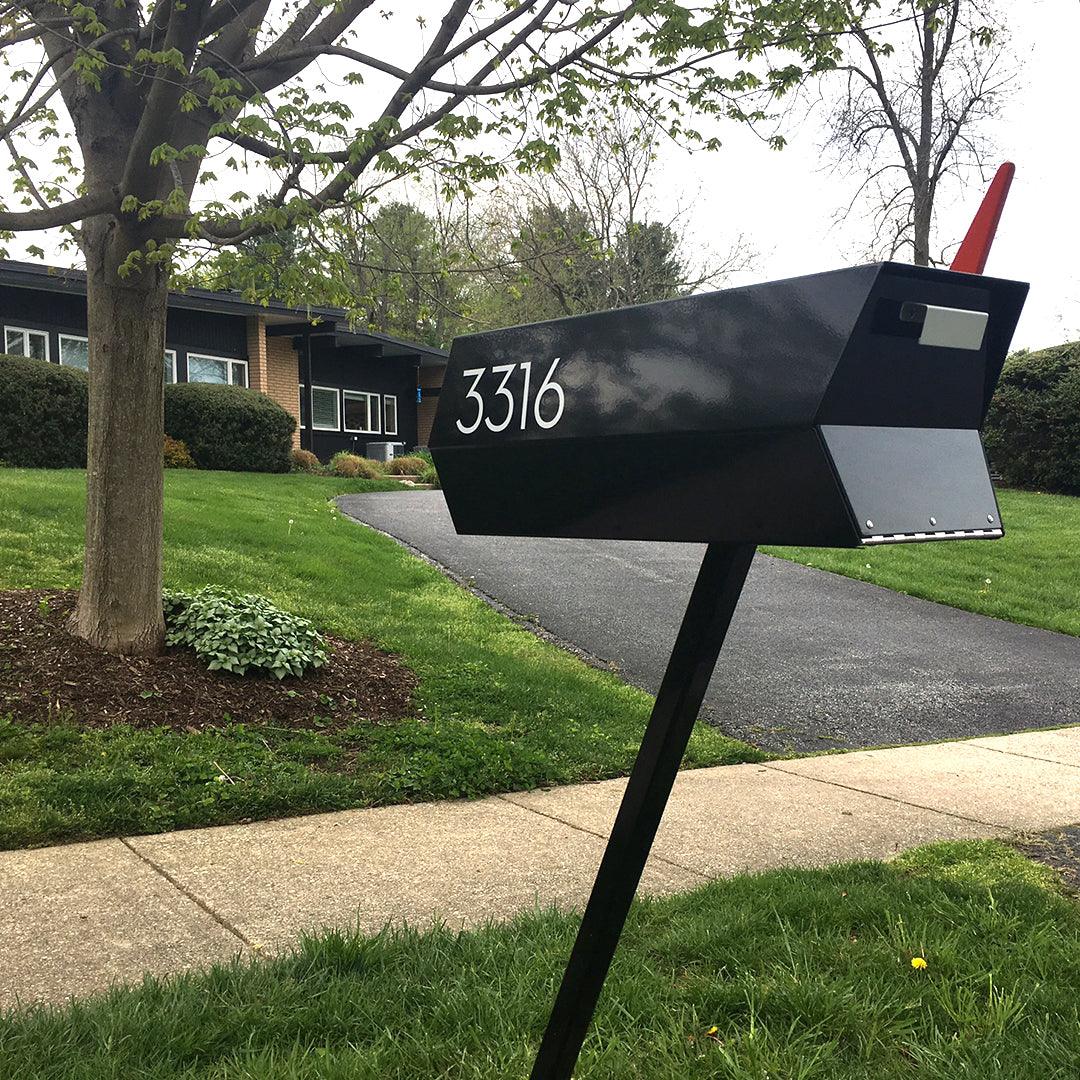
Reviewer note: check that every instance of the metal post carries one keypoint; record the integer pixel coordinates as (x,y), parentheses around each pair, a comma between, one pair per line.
(307,434)
(708,615)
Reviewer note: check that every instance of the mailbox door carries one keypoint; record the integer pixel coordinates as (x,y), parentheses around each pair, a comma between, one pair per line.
(908,484)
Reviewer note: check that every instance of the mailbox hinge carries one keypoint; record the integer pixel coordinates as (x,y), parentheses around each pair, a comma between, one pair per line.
(955,534)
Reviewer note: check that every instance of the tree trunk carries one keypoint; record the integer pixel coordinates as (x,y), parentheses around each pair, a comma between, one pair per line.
(923,215)
(119,605)
(923,197)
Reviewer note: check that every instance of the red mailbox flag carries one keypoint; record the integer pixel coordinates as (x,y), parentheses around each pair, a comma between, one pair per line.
(971,258)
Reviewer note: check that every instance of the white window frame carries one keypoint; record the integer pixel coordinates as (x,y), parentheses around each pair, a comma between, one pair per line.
(386,427)
(337,408)
(229,363)
(378,411)
(61,338)
(29,330)
(170,360)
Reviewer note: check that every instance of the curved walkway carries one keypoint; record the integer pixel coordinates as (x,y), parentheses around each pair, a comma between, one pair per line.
(813,660)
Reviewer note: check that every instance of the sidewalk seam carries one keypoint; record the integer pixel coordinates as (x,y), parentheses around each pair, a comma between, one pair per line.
(1028,757)
(889,798)
(224,923)
(599,835)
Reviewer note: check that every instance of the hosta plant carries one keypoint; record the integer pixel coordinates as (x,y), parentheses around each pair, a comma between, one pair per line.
(240,633)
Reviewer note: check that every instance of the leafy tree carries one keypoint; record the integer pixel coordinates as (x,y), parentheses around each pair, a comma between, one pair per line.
(118,115)
(284,262)
(403,263)
(918,98)
(396,270)
(586,237)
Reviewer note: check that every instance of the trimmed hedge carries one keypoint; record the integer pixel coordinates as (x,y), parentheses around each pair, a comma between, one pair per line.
(42,414)
(43,409)
(227,427)
(1032,430)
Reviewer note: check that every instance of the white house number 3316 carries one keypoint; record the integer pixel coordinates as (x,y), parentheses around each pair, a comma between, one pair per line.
(509,406)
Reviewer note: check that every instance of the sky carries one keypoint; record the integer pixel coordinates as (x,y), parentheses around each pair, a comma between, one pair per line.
(784,202)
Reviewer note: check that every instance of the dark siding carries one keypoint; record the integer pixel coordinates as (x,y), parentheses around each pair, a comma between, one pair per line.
(43,310)
(356,368)
(207,332)
(185,331)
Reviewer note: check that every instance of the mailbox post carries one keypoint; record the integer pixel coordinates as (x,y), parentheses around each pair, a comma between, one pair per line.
(835,410)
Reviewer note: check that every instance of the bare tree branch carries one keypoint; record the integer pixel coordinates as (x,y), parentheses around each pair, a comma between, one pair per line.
(98,202)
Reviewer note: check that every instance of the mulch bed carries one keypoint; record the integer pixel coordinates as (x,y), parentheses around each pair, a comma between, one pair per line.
(48,674)
(1059,849)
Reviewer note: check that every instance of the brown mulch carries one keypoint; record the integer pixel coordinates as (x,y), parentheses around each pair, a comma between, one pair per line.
(47,673)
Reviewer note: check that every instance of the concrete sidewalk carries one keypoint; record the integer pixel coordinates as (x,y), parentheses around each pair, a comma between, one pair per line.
(75,918)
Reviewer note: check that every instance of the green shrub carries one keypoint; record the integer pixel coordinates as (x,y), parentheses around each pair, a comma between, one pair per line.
(428,474)
(406,465)
(42,414)
(352,465)
(240,633)
(305,461)
(1032,430)
(228,427)
(176,454)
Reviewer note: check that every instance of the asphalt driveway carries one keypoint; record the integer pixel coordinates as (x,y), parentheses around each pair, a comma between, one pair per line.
(812,661)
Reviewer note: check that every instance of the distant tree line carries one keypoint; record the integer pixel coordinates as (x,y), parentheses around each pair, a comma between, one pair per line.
(586,236)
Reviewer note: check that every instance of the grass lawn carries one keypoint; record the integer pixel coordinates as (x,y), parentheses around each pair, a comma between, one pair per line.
(795,975)
(1033,571)
(499,709)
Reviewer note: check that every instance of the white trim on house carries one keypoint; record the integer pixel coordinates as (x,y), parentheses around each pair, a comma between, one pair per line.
(372,411)
(337,408)
(387,398)
(231,368)
(26,332)
(170,365)
(74,337)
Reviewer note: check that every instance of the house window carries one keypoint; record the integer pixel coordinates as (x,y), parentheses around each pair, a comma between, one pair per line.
(216,369)
(361,411)
(21,342)
(325,409)
(74,351)
(389,414)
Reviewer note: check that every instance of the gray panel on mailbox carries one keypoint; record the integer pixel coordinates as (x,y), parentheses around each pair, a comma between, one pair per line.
(897,479)
(953,328)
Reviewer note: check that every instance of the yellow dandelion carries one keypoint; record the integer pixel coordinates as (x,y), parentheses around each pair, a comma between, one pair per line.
(918,963)
(712,1031)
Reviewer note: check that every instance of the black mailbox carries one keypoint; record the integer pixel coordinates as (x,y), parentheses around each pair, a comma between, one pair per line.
(832,410)
(837,410)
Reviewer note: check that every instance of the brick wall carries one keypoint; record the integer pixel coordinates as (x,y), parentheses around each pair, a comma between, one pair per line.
(273,370)
(430,377)
(256,352)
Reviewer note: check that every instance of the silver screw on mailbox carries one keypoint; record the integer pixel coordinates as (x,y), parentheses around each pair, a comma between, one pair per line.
(869,523)
(990,518)
(933,521)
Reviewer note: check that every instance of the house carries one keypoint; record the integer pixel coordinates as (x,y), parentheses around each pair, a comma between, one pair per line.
(345,388)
